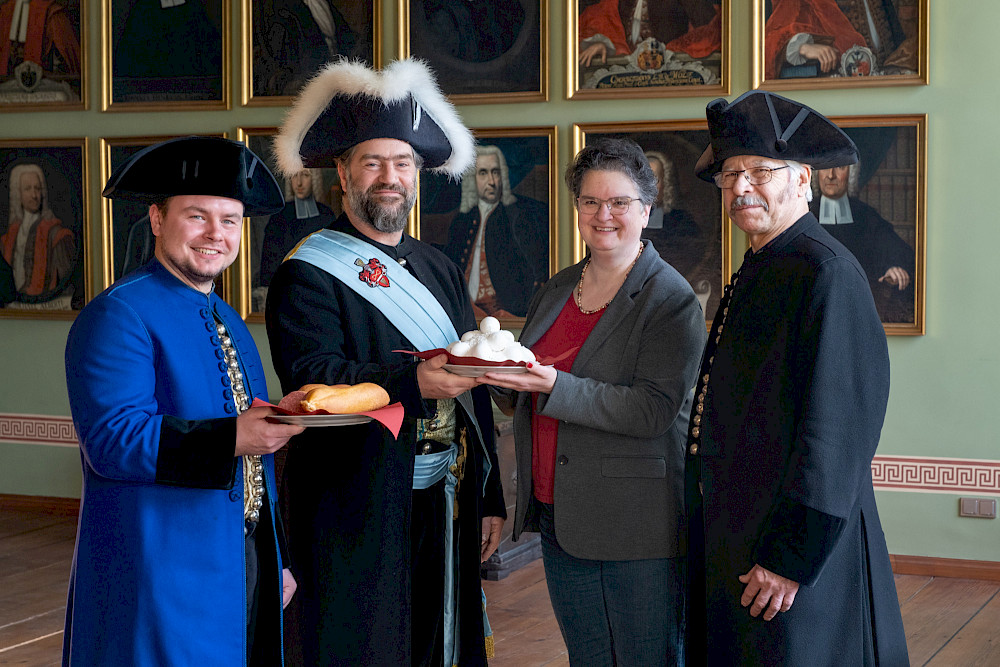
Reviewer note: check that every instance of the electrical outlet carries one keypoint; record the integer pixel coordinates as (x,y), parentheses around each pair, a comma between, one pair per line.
(982,508)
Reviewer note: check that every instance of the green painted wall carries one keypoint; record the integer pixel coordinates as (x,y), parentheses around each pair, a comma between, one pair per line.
(944,384)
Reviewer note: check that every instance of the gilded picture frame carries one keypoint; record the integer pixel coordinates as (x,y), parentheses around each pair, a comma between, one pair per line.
(127,241)
(886,196)
(482,53)
(45,68)
(166,56)
(515,183)
(676,50)
(44,228)
(819,44)
(686,225)
(284,42)
(268,238)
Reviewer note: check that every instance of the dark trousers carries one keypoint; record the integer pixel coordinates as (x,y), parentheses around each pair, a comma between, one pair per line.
(627,613)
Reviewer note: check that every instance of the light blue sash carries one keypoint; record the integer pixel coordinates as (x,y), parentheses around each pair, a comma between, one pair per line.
(406,302)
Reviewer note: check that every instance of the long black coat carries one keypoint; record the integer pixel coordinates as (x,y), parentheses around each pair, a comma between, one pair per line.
(349,488)
(796,397)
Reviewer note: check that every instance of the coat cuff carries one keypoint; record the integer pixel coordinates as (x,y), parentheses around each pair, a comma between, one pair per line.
(493,502)
(797,541)
(200,454)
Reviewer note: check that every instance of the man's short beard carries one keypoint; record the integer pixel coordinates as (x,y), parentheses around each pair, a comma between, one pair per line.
(385,218)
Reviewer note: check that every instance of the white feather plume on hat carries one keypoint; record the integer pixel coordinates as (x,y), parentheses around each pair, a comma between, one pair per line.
(350,81)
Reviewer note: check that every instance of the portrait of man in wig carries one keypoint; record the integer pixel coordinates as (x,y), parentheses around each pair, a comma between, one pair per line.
(498,239)
(40,250)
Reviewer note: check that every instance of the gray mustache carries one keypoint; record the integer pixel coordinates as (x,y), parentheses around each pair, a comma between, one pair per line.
(747,200)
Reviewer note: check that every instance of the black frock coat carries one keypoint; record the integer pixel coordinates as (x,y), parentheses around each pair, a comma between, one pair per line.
(349,489)
(796,397)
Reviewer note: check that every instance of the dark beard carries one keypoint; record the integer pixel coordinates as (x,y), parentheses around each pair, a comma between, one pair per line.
(385,218)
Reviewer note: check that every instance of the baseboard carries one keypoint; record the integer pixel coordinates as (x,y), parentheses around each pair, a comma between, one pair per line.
(985,570)
(42,504)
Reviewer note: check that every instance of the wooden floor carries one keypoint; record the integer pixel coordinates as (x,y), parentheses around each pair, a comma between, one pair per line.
(949,622)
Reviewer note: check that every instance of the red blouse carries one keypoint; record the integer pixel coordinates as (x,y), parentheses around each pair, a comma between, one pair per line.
(568,332)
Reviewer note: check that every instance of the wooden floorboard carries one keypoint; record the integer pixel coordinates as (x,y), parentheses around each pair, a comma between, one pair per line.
(949,622)
(935,615)
(976,644)
(908,585)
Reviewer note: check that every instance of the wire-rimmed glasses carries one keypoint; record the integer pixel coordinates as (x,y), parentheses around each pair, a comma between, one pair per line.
(754,176)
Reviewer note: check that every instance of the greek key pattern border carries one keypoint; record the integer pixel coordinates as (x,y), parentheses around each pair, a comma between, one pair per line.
(920,474)
(928,474)
(38,429)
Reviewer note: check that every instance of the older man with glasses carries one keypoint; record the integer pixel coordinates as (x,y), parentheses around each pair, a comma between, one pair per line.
(788,561)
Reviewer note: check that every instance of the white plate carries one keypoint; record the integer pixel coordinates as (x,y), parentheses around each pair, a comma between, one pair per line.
(476,371)
(322,420)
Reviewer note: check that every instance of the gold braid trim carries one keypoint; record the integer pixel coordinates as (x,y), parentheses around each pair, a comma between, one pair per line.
(458,468)
(491,651)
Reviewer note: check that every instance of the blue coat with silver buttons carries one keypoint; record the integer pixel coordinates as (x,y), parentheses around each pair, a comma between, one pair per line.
(159,571)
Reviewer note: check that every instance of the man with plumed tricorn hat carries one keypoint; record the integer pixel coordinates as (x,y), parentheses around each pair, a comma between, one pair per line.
(788,561)
(180,556)
(386,534)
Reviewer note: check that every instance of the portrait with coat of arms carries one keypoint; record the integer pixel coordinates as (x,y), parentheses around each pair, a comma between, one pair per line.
(840,43)
(649,48)
(42,56)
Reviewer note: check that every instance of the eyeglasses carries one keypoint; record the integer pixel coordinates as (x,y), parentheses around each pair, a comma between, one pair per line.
(754,176)
(617,205)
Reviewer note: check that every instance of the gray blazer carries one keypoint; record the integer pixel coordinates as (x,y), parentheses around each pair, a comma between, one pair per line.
(623,415)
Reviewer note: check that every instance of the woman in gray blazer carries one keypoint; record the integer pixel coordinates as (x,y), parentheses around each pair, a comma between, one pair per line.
(600,433)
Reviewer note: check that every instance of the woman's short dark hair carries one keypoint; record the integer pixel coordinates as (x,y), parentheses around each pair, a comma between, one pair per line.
(613,154)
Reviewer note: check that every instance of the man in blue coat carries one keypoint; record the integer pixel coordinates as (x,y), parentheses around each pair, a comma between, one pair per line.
(789,561)
(179,557)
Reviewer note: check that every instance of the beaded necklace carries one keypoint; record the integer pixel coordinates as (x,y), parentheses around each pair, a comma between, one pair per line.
(578,292)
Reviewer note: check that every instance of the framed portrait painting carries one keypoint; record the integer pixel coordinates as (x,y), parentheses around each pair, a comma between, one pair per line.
(285,42)
(876,208)
(647,48)
(44,235)
(839,43)
(166,55)
(128,240)
(313,201)
(481,52)
(44,54)
(499,223)
(686,224)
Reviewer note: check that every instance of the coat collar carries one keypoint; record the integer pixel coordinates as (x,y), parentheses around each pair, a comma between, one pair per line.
(564,283)
(181,289)
(799,227)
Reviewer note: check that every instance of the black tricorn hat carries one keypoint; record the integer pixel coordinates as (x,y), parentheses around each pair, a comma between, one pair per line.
(347,103)
(210,166)
(769,125)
